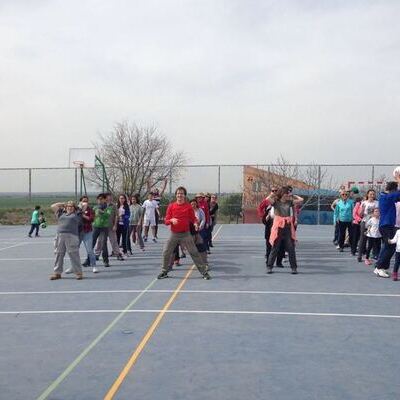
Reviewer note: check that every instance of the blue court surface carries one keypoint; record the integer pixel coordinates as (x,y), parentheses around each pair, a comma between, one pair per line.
(331,332)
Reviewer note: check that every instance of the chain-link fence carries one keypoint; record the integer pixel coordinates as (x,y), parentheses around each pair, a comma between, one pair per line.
(240,187)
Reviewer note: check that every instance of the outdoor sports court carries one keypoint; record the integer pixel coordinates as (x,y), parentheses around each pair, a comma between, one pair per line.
(330,332)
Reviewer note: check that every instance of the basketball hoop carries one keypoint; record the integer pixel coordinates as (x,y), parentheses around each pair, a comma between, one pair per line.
(78,164)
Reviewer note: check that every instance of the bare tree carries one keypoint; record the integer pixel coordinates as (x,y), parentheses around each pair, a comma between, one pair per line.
(137,159)
(312,178)
(281,173)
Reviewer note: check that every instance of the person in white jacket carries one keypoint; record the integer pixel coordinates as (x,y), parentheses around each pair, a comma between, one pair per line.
(396,240)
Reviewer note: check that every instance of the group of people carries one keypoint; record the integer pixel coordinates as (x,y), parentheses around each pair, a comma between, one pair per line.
(279,213)
(121,225)
(370,226)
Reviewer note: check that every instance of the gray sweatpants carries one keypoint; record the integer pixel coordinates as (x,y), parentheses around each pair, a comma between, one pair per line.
(184,239)
(67,243)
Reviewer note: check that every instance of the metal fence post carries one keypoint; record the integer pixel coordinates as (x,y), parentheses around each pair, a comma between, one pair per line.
(373,175)
(319,196)
(30,184)
(76,184)
(219,180)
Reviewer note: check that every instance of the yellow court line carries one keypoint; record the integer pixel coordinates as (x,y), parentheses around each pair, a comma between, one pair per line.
(135,355)
(116,385)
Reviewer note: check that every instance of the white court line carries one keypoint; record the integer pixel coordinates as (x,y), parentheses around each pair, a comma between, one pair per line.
(82,258)
(188,291)
(15,245)
(314,259)
(301,314)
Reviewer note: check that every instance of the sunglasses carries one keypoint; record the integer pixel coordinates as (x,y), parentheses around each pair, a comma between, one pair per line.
(274,190)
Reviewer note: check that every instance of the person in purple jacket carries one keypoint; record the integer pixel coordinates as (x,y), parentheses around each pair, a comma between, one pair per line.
(123,213)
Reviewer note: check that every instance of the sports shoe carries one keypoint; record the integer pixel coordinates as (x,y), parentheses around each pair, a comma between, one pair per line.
(280,265)
(154,240)
(359,259)
(145,238)
(163,275)
(338,247)
(106,264)
(206,276)
(368,262)
(294,271)
(95,270)
(68,271)
(395,276)
(97,258)
(269,270)
(85,264)
(382,273)
(30,236)
(376,271)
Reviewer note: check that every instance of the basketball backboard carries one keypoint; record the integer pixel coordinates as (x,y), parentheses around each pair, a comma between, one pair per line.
(84,157)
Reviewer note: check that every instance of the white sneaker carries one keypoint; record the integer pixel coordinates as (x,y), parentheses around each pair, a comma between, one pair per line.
(383,274)
(338,247)
(376,270)
(68,271)
(95,270)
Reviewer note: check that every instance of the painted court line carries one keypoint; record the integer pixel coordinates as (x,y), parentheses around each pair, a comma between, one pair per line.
(135,355)
(15,245)
(267,292)
(85,352)
(82,258)
(166,310)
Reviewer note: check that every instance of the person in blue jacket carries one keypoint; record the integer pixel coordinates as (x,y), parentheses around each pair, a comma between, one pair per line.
(387,207)
(344,216)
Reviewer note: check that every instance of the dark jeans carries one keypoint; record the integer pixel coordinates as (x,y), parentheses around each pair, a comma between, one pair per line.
(355,237)
(396,262)
(204,233)
(122,233)
(387,250)
(373,244)
(156,227)
(342,232)
(363,240)
(211,228)
(336,233)
(285,236)
(34,227)
(267,233)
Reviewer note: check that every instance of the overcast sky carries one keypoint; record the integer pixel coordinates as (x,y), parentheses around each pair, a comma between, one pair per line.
(227,81)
